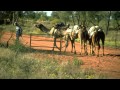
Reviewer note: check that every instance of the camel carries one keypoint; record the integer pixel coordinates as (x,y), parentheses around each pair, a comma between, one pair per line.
(56,33)
(96,34)
(84,37)
(72,32)
(81,33)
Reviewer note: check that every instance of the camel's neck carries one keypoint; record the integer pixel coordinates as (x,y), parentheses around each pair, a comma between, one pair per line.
(44,29)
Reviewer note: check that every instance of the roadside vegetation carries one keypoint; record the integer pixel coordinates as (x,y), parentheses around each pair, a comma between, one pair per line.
(17,62)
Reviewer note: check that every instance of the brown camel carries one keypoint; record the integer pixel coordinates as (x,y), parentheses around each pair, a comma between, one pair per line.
(96,36)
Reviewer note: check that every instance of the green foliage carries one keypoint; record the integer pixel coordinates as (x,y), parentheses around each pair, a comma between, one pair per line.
(55,21)
(112,44)
(116,15)
(9,28)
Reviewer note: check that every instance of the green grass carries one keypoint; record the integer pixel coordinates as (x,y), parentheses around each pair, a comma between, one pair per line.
(112,44)
(25,66)
(19,47)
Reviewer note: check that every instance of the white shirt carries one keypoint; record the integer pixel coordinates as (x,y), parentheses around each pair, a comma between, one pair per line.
(17,28)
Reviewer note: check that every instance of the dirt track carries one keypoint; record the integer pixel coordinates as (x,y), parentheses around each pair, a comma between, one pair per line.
(108,64)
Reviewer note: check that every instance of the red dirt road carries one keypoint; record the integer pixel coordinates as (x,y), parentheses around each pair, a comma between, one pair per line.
(108,64)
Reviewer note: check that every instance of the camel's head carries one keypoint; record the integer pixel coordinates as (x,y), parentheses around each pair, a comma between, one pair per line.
(41,27)
(38,25)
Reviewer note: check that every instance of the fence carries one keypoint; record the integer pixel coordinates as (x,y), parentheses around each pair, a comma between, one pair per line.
(44,39)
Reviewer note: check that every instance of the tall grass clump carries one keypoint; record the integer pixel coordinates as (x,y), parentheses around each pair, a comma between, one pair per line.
(19,47)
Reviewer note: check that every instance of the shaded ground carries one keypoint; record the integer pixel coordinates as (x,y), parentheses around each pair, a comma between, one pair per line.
(108,64)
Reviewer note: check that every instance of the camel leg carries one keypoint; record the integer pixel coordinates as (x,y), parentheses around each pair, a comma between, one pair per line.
(103,46)
(90,46)
(86,48)
(74,46)
(98,47)
(93,50)
(54,44)
(81,46)
(103,49)
(80,43)
(93,45)
(66,42)
(66,45)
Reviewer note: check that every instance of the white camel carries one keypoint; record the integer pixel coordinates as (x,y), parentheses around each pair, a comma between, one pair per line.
(79,31)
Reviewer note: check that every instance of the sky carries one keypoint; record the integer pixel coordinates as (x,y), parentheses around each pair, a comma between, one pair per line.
(48,13)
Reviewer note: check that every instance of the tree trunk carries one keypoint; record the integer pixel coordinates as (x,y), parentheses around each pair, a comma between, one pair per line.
(108,23)
(13,19)
(92,23)
(78,19)
(73,19)
(84,22)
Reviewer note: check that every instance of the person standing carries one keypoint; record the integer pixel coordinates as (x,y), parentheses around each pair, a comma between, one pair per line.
(18,31)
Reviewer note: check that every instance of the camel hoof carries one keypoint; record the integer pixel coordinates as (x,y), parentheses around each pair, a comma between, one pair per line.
(86,53)
(55,46)
(93,53)
(74,52)
(97,55)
